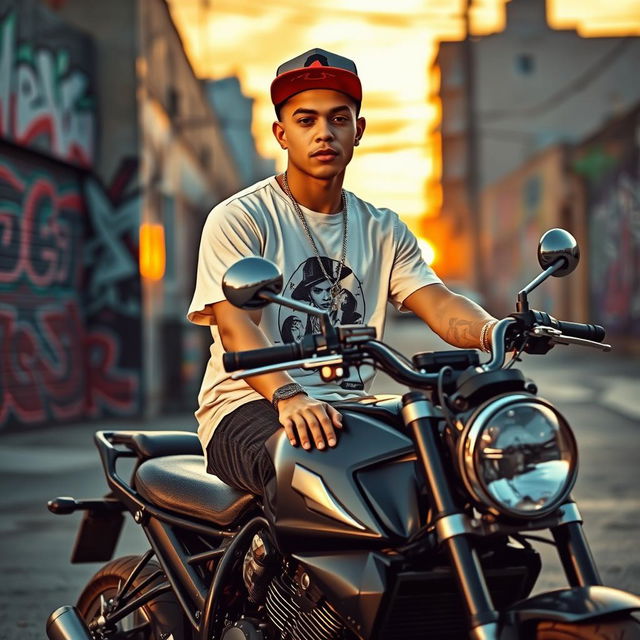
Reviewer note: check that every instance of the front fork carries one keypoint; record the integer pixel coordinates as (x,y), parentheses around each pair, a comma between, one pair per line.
(454,529)
(573,549)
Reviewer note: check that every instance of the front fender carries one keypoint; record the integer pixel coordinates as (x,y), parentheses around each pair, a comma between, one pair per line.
(577,604)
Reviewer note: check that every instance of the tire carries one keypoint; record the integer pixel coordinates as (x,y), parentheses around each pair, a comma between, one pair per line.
(163,614)
(626,628)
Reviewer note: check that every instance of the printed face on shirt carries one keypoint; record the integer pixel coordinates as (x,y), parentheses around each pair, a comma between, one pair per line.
(320,294)
(318,129)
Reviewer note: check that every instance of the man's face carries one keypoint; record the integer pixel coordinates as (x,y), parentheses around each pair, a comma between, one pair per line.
(319,128)
(321,294)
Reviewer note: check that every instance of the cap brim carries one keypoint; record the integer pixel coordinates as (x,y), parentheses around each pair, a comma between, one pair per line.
(298,80)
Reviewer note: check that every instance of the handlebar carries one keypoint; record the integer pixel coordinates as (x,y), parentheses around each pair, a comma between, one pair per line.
(584,331)
(268,359)
(234,360)
(529,319)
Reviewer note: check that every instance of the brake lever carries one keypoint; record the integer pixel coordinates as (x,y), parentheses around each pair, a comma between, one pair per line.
(556,336)
(306,363)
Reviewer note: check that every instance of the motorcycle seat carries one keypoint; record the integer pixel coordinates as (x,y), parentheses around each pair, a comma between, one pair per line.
(181,484)
(155,444)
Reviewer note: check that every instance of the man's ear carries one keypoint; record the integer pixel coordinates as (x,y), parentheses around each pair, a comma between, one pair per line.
(279,134)
(361,125)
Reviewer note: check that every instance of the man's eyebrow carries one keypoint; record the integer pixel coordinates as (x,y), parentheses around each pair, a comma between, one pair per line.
(342,107)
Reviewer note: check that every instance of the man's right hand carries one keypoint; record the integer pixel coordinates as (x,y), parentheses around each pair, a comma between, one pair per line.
(307,420)
(304,419)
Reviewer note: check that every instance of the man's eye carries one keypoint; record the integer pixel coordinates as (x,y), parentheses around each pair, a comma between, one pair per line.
(305,120)
(340,119)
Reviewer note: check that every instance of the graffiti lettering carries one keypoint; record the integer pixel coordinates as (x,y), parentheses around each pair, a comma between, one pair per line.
(45,364)
(36,235)
(43,102)
(60,361)
(107,253)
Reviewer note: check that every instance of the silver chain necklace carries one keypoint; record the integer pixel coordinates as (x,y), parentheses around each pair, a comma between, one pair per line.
(335,284)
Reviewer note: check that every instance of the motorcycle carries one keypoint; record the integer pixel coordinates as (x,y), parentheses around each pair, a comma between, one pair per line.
(418,524)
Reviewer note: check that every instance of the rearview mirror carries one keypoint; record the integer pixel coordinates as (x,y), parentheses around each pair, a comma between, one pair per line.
(244,281)
(558,244)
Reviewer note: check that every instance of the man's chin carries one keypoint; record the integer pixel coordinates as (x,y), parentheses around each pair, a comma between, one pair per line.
(326,172)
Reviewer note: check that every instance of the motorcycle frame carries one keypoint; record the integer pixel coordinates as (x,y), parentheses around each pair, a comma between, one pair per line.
(454,530)
(198,601)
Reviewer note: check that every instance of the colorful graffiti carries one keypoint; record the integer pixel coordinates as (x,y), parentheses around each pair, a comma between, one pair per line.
(46,98)
(109,260)
(69,344)
(615,250)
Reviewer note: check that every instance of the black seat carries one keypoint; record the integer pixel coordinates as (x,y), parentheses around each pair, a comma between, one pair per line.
(182,485)
(154,444)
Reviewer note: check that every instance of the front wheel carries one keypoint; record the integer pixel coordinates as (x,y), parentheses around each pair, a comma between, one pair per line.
(626,628)
(158,619)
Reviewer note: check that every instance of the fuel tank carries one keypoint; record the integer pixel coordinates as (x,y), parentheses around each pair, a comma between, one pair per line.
(364,492)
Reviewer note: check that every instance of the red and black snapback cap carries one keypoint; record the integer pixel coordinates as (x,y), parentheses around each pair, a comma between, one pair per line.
(316,69)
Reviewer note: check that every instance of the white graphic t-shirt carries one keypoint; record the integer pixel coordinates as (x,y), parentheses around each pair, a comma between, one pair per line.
(383,263)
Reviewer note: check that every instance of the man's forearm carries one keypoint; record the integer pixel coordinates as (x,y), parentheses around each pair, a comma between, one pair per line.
(252,337)
(461,322)
(453,317)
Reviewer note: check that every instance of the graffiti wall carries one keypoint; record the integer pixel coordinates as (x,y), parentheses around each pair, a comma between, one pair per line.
(47,99)
(614,230)
(69,292)
(112,295)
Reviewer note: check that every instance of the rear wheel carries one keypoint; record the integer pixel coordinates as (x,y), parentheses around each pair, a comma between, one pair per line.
(158,619)
(626,628)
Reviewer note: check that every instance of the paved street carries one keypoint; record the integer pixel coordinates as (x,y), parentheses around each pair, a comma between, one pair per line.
(599,393)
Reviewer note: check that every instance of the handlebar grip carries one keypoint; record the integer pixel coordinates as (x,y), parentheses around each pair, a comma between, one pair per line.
(585,331)
(234,360)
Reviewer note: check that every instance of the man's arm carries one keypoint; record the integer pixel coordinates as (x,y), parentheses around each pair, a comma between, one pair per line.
(299,414)
(456,319)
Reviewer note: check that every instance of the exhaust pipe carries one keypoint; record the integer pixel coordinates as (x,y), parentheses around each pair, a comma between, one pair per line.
(66,624)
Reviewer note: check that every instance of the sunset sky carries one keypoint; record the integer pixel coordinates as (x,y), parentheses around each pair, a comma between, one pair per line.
(393,44)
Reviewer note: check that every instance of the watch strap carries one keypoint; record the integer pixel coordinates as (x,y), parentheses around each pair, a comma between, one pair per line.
(286,391)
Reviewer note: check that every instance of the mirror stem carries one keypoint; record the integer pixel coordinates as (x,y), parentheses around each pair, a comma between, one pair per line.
(325,319)
(523,303)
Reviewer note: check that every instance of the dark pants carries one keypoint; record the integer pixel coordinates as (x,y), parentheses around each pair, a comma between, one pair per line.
(236,452)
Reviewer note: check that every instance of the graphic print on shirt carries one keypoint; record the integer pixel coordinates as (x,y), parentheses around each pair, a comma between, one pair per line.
(309,284)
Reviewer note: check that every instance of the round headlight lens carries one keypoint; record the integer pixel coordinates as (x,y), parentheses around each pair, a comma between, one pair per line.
(520,458)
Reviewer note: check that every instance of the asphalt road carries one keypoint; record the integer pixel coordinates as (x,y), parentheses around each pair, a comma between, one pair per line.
(599,394)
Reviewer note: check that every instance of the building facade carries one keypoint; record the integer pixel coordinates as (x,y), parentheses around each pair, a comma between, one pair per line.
(516,210)
(111,156)
(591,189)
(532,87)
(608,164)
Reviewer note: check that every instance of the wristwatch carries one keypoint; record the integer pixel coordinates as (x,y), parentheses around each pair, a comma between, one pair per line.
(286,391)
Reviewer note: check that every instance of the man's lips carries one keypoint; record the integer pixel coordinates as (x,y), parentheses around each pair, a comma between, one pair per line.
(328,153)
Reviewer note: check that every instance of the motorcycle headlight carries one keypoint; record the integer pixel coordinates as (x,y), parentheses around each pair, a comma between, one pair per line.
(518,456)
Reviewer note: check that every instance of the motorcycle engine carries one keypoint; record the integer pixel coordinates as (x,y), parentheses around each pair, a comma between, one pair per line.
(298,610)
(294,606)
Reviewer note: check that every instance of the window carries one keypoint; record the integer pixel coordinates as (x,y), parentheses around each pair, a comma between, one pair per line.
(525,64)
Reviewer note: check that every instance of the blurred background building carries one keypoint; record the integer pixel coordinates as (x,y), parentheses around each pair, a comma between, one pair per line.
(524,116)
(111,155)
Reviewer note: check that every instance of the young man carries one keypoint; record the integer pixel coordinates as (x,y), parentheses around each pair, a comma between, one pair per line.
(335,251)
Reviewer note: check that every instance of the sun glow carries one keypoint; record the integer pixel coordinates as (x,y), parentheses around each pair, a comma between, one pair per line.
(428,251)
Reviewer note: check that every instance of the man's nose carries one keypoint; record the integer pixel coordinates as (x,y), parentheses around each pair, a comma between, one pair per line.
(324,131)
